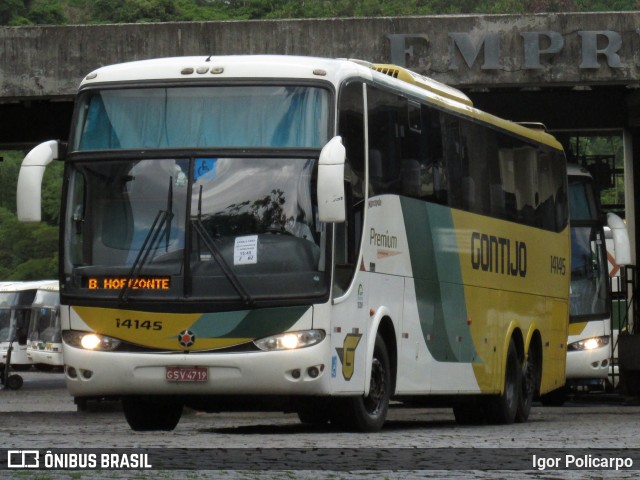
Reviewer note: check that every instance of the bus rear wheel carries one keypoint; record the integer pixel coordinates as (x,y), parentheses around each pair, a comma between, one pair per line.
(146,414)
(368,414)
(503,408)
(529,385)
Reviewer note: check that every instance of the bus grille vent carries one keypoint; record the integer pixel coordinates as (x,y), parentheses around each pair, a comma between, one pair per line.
(392,72)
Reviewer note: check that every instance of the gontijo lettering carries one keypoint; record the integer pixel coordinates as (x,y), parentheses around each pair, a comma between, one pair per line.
(498,255)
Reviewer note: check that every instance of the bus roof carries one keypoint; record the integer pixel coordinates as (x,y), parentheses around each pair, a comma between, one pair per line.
(202,68)
(29,285)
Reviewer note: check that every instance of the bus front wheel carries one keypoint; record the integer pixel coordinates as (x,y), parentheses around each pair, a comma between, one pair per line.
(145,414)
(368,414)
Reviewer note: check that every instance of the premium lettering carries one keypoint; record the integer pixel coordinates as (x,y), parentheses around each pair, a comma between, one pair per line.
(490,253)
(382,239)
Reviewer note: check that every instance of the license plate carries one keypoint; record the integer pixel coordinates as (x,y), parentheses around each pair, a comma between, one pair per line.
(187,374)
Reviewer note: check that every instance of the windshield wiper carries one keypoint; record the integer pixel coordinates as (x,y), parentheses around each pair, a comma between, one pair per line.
(224,266)
(163,217)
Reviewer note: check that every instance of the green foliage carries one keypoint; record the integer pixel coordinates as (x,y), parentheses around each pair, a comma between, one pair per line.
(12,12)
(24,12)
(134,11)
(28,251)
(47,12)
(590,149)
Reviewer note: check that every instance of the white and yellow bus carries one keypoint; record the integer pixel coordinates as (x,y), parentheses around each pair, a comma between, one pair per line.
(44,342)
(305,234)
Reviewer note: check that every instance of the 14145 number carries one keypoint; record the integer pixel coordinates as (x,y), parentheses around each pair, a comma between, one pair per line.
(138,324)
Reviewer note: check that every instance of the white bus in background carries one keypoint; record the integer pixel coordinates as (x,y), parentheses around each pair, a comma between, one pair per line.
(44,344)
(16,299)
(589,344)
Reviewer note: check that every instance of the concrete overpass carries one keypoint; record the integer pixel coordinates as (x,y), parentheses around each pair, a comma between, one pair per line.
(40,67)
(574,72)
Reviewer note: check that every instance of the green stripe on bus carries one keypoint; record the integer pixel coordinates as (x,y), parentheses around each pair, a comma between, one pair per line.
(438,281)
(248,323)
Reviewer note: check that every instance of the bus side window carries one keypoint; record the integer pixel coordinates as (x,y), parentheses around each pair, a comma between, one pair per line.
(349,233)
(434,181)
(452,152)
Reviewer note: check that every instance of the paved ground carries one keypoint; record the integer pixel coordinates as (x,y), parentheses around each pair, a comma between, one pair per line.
(41,415)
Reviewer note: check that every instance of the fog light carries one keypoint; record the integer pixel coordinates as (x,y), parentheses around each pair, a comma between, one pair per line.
(71,372)
(313,372)
(295,373)
(87,374)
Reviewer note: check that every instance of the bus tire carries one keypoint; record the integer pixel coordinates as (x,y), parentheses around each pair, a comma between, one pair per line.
(368,414)
(145,414)
(14,382)
(529,385)
(502,409)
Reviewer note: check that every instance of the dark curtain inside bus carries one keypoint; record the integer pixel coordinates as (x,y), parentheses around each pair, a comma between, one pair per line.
(418,151)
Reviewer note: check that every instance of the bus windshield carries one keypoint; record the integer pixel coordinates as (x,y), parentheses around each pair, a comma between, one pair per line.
(270,116)
(14,316)
(7,327)
(218,228)
(45,319)
(589,268)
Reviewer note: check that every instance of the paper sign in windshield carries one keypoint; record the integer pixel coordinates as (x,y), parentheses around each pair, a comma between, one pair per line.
(245,251)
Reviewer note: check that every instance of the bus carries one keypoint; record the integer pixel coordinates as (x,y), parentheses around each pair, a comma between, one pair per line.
(16,299)
(592,334)
(589,341)
(308,235)
(44,341)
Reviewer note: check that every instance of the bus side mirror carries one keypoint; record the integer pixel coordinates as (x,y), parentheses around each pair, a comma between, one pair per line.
(28,196)
(331,200)
(620,239)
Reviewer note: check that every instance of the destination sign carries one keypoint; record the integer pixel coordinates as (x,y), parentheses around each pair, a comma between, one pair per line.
(118,283)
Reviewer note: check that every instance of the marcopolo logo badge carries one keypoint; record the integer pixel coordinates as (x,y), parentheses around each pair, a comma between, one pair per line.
(186,338)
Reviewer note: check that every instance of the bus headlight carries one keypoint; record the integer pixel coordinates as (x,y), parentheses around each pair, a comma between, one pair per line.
(290,340)
(90,341)
(589,343)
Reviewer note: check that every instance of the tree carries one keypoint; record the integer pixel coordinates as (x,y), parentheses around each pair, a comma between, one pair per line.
(28,251)
(135,11)
(12,12)
(47,12)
